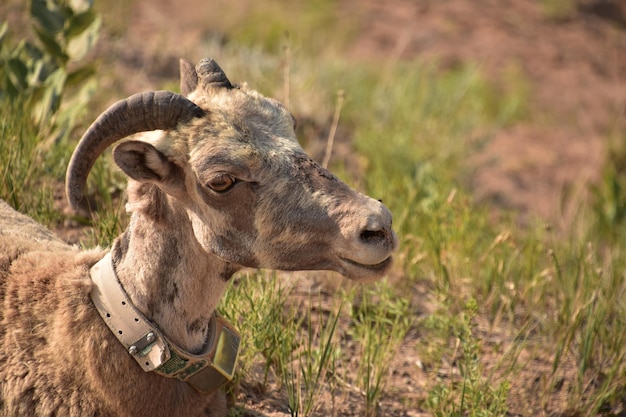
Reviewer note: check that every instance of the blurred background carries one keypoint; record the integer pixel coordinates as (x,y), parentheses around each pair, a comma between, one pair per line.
(563,58)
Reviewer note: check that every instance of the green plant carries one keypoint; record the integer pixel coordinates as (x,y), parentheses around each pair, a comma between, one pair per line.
(255,304)
(558,9)
(310,25)
(48,70)
(609,205)
(22,176)
(44,89)
(592,321)
(381,319)
(307,357)
(476,395)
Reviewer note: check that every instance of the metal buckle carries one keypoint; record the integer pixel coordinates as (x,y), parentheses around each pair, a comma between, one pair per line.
(209,371)
(227,350)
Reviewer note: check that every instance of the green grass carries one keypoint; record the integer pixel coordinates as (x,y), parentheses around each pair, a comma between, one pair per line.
(476,395)
(23,173)
(558,10)
(381,318)
(308,356)
(567,289)
(500,299)
(305,26)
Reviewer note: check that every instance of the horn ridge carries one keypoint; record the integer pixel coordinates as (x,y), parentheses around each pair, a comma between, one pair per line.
(210,74)
(141,112)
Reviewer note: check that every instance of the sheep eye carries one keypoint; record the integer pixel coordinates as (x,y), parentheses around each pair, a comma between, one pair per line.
(221,183)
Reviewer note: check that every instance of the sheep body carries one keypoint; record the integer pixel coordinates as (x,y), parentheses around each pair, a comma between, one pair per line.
(13,223)
(55,351)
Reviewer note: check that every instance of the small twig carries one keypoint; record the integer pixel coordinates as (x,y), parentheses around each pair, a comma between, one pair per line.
(287,70)
(333,128)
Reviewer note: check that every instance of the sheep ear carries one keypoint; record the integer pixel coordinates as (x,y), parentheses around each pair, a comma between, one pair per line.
(143,162)
(188,77)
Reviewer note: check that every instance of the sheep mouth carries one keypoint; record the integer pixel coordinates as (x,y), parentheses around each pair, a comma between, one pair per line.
(381,266)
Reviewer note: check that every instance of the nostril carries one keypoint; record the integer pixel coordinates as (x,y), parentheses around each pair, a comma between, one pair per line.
(372,236)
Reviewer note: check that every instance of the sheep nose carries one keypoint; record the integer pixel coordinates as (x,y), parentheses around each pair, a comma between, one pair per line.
(373,232)
(377,229)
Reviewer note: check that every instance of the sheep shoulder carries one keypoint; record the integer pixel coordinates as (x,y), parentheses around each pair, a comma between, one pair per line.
(57,357)
(44,312)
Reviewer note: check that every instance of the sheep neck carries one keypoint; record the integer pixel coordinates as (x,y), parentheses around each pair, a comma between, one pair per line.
(169,277)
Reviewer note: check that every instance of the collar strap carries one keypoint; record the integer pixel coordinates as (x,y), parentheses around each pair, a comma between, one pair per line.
(205,372)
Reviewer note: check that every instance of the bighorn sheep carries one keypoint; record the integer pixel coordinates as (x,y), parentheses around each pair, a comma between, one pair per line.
(217,182)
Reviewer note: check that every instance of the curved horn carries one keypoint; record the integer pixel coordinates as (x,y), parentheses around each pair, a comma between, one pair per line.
(211,75)
(140,112)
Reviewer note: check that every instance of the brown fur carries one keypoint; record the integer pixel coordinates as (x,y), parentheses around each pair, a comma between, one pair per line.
(57,358)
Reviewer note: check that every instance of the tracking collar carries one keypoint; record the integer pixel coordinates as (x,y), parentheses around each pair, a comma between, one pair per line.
(205,372)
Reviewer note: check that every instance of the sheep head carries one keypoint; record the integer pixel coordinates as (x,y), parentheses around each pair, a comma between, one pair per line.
(230,159)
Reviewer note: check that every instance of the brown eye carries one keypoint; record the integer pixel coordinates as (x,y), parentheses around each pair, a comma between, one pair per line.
(221,183)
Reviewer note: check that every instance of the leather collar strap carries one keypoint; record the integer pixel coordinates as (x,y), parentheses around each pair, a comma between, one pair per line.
(205,372)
